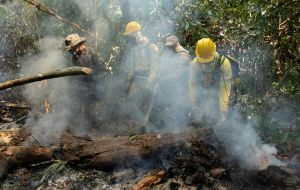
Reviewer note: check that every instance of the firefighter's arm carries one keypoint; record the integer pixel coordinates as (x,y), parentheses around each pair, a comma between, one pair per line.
(154,63)
(192,86)
(225,85)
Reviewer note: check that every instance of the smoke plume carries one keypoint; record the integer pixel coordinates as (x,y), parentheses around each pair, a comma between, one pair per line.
(244,144)
(238,136)
(47,127)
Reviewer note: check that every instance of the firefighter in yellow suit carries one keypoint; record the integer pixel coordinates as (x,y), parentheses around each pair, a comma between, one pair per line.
(142,69)
(209,81)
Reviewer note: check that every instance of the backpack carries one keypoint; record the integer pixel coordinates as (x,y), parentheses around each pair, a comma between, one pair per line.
(235,67)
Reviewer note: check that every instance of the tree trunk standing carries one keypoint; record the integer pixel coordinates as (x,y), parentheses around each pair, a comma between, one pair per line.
(126,10)
(70,71)
(95,24)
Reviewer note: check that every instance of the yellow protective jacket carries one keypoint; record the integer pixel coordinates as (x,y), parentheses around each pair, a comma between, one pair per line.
(202,76)
(143,60)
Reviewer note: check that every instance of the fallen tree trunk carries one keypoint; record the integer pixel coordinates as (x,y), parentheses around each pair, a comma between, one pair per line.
(19,156)
(70,71)
(99,153)
(105,153)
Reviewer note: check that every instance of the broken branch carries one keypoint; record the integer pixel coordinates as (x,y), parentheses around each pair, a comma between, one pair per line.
(47,10)
(49,75)
(149,181)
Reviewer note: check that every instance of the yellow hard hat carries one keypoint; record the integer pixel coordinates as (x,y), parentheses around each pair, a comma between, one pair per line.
(205,50)
(132,27)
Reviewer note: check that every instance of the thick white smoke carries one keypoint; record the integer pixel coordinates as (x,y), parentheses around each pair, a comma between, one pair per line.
(244,144)
(47,127)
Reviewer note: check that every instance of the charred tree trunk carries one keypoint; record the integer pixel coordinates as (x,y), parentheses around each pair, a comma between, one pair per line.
(18,156)
(105,153)
(49,75)
(99,153)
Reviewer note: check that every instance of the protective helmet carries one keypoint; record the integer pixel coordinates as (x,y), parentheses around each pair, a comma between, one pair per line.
(132,27)
(73,40)
(205,50)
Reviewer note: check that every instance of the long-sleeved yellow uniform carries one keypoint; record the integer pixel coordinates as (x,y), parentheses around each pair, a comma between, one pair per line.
(143,60)
(211,76)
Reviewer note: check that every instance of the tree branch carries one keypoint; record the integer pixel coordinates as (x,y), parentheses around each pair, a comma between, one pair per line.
(49,75)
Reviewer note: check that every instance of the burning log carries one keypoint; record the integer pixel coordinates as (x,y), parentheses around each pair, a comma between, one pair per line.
(99,153)
(49,75)
(105,153)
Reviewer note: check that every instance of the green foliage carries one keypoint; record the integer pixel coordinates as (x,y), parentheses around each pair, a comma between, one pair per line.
(17,36)
(284,134)
(264,35)
(51,171)
(260,33)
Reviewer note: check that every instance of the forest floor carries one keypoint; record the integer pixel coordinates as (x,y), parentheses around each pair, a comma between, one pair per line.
(197,165)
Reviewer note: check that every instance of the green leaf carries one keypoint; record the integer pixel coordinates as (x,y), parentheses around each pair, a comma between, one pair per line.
(187,25)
